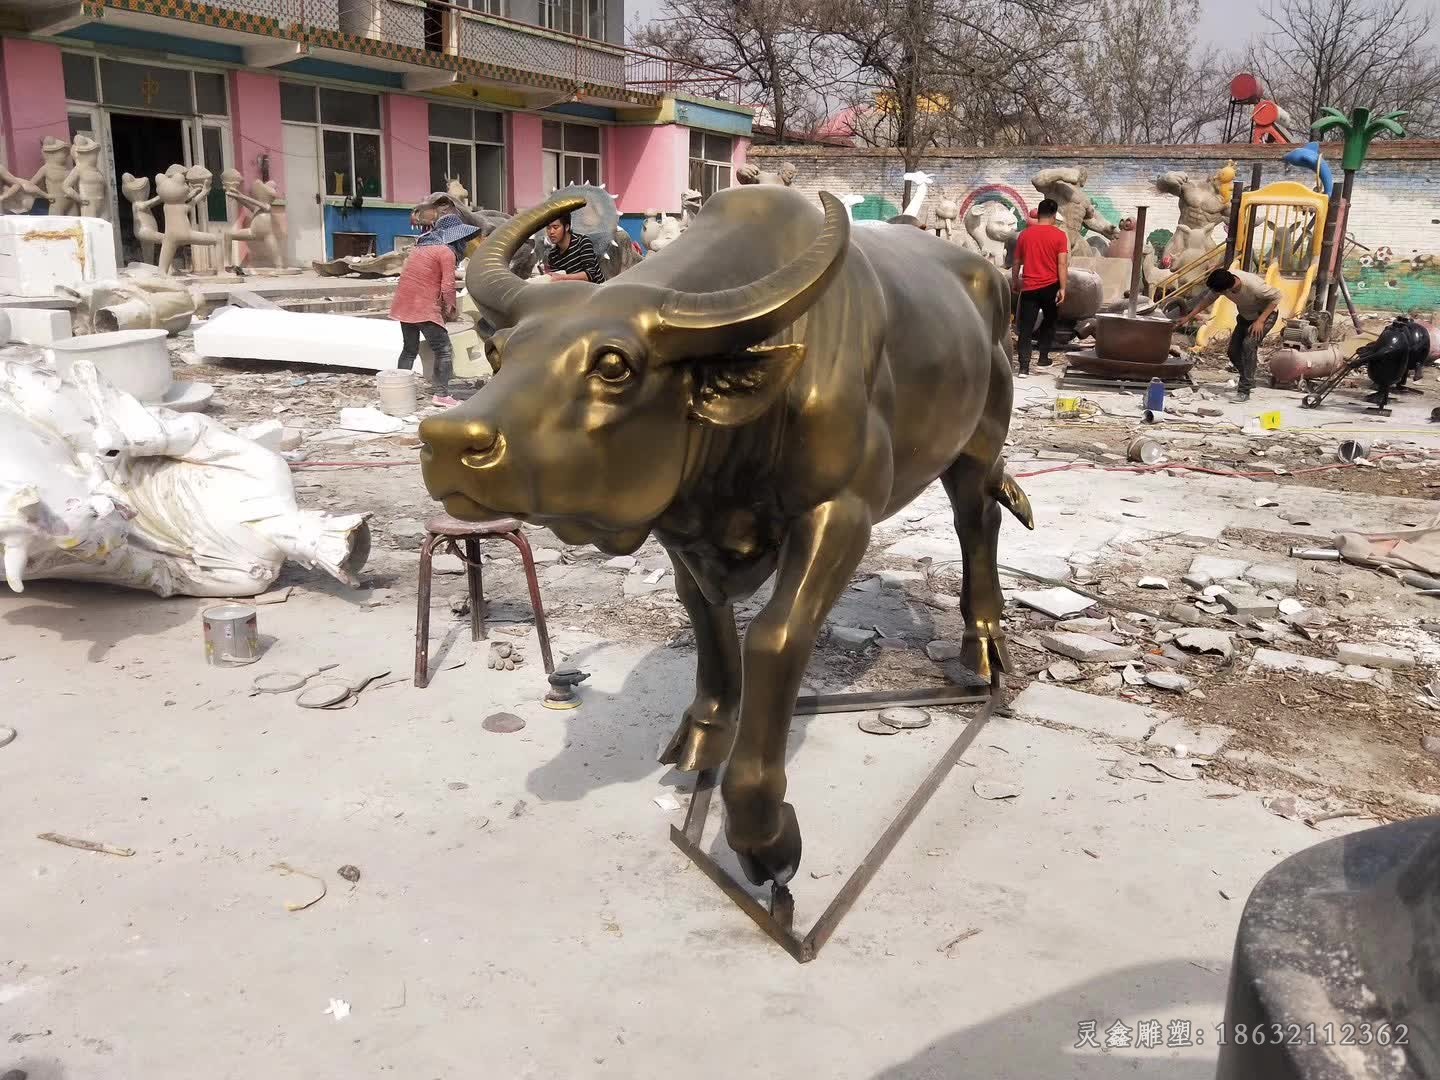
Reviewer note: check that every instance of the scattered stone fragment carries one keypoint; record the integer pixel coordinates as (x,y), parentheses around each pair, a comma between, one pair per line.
(1168,680)
(1187,614)
(1088,712)
(546,555)
(940,651)
(1058,603)
(995,789)
(622,562)
(1290,606)
(502,723)
(1153,583)
(947,601)
(898,579)
(1212,609)
(853,639)
(1249,607)
(1266,574)
(1065,671)
(1197,581)
(1087,649)
(1084,625)
(905,719)
(1132,677)
(1276,660)
(1376,655)
(349,873)
(1282,806)
(1359,673)
(1206,640)
(1216,567)
(1113,681)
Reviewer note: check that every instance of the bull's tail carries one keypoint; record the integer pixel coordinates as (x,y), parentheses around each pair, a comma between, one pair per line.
(1008,494)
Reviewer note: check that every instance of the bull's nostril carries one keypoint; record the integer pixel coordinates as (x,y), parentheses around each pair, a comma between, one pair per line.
(481,456)
(479,436)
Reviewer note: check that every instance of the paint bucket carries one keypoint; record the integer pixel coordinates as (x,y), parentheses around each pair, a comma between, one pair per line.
(397,392)
(232,636)
(1145,451)
(1351,451)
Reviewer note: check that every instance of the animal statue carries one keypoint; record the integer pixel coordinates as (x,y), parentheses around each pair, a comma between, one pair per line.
(178,190)
(750,174)
(991,228)
(136,190)
(1077,212)
(1123,246)
(757,395)
(1204,204)
(85,185)
(456,190)
(259,230)
(947,213)
(913,212)
(52,175)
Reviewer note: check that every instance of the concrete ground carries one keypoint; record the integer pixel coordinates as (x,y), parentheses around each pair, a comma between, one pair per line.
(519,903)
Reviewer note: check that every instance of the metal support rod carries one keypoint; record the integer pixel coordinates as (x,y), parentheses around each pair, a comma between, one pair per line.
(1337,240)
(1256,171)
(1232,228)
(810,704)
(1135,259)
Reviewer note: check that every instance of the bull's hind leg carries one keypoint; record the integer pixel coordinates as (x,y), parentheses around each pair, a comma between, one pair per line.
(707,729)
(970,483)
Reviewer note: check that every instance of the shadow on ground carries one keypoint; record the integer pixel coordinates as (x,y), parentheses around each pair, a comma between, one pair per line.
(1038,1039)
(103,615)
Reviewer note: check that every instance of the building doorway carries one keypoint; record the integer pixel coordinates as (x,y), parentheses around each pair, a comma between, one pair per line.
(142,146)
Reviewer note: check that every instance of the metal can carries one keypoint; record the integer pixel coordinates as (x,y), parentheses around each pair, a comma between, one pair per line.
(232,635)
(1146,451)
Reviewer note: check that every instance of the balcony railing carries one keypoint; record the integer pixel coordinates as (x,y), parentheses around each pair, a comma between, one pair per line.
(445,35)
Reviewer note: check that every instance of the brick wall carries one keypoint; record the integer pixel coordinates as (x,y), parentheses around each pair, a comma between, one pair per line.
(1396,212)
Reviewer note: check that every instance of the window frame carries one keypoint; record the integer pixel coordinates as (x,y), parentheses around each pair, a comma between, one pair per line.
(348,130)
(558,158)
(708,165)
(471,146)
(581,13)
(100,103)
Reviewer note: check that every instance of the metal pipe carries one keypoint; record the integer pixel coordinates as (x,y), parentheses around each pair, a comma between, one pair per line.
(1255,174)
(1135,257)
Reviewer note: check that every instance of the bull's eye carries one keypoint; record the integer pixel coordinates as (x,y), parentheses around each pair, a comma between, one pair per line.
(612,368)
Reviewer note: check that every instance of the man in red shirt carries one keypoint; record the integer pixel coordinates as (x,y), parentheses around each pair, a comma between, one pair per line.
(1038,273)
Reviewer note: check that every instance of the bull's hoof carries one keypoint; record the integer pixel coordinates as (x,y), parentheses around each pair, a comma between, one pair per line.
(778,859)
(985,654)
(703,738)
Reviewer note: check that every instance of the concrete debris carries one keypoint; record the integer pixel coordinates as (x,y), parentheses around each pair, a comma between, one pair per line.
(371,420)
(945,601)
(1084,625)
(1276,660)
(1065,671)
(1168,680)
(1087,649)
(1216,567)
(1375,655)
(622,562)
(1198,740)
(898,579)
(1188,614)
(1247,607)
(1131,676)
(995,790)
(940,651)
(37,326)
(851,638)
(1205,640)
(1088,712)
(1290,606)
(304,338)
(1264,574)
(1058,602)
(1152,583)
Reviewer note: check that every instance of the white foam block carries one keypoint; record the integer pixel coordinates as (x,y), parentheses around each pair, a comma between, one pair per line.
(40,253)
(38,326)
(295,337)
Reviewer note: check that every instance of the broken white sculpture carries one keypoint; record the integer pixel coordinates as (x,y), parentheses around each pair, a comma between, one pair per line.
(95,486)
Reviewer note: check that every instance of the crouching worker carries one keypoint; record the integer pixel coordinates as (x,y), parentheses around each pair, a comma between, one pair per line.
(1256,304)
(425,295)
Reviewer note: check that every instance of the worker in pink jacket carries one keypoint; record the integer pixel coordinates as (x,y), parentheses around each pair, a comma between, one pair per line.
(425,296)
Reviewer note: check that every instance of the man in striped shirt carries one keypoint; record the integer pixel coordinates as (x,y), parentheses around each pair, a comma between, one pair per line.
(571,257)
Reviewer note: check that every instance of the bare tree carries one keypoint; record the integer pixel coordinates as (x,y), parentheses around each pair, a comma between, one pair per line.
(1139,76)
(766,43)
(1372,53)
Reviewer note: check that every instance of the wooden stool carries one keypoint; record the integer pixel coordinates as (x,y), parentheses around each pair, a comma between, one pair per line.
(447,532)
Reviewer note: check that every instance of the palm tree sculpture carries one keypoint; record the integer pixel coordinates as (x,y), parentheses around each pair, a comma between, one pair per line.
(1360,131)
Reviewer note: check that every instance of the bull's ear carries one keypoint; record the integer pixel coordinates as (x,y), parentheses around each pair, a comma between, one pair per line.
(734,390)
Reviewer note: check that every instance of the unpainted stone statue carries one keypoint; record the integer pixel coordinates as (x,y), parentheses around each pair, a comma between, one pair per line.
(178,190)
(947,216)
(85,184)
(17,194)
(52,176)
(990,228)
(136,190)
(259,230)
(1204,204)
(1077,212)
(1123,246)
(750,173)
(456,190)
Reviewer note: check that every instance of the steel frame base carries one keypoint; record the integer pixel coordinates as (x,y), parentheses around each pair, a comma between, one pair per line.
(777,921)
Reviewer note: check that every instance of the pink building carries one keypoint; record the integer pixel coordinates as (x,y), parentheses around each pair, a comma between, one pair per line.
(368,108)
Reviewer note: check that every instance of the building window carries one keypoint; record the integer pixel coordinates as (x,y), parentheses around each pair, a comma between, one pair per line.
(483,7)
(572,154)
(349,125)
(584,18)
(143,87)
(468,145)
(710,158)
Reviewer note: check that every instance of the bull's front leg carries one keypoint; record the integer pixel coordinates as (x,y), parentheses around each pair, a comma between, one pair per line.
(707,728)
(819,555)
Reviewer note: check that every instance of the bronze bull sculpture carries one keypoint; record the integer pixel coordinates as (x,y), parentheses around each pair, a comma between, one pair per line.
(758,395)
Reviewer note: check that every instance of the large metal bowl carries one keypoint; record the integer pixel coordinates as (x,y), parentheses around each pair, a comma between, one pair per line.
(1135,340)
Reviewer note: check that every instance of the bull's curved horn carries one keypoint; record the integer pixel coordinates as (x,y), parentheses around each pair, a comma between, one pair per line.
(489,279)
(715,322)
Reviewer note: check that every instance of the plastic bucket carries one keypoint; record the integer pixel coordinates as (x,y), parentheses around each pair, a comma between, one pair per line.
(1145,451)
(397,392)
